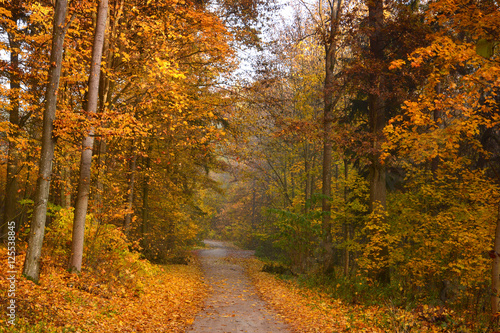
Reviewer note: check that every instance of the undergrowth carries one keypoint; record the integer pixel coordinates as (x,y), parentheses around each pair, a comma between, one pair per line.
(318,304)
(117,290)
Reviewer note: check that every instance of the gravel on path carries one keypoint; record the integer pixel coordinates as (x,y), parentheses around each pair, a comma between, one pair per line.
(234,305)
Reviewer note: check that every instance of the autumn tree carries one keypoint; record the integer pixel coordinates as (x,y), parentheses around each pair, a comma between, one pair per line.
(88,142)
(33,254)
(330,34)
(377,120)
(14,12)
(443,139)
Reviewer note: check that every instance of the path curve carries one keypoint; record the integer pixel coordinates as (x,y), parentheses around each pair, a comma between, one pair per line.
(233,305)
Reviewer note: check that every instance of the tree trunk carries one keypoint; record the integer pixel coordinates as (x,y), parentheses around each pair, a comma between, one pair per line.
(376,106)
(329,105)
(65,184)
(101,172)
(145,201)
(11,185)
(346,224)
(130,195)
(82,197)
(495,270)
(307,170)
(33,254)
(254,205)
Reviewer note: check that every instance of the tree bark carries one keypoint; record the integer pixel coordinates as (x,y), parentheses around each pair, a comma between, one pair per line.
(307,170)
(495,270)
(130,195)
(376,105)
(11,184)
(82,197)
(65,186)
(98,194)
(145,201)
(346,224)
(33,254)
(329,105)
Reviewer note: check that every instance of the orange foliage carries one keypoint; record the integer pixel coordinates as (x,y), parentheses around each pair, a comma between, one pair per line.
(165,301)
(307,310)
(311,310)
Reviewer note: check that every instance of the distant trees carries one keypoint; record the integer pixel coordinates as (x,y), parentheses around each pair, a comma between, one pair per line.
(152,105)
(364,146)
(413,136)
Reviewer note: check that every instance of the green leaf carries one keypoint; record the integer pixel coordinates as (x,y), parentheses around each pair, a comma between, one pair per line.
(485,48)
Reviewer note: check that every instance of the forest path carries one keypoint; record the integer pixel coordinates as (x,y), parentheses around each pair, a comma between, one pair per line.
(233,305)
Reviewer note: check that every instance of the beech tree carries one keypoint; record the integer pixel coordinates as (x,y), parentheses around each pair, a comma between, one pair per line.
(13,159)
(330,30)
(37,230)
(88,142)
(377,121)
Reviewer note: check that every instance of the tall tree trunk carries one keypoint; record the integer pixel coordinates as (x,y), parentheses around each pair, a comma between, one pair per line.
(145,201)
(82,197)
(98,195)
(254,205)
(376,105)
(131,185)
(105,95)
(35,240)
(66,186)
(286,198)
(307,170)
(436,118)
(495,270)
(329,105)
(11,184)
(346,224)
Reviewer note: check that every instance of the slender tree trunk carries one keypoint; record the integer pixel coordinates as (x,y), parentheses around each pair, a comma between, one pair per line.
(145,201)
(254,205)
(329,105)
(11,184)
(346,224)
(307,170)
(130,195)
(312,179)
(82,197)
(495,270)
(27,194)
(292,180)
(99,184)
(65,183)
(105,95)
(435,160)
(286,198)
(35,240)
(376,106)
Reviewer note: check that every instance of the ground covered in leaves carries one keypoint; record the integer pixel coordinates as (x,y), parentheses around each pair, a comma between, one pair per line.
(310,310)
(165,299)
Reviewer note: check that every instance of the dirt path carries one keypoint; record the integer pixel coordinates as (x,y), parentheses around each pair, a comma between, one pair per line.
(234,305)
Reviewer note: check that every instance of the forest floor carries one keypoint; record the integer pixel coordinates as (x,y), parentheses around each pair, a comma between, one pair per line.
(222,289)
(246,299)
(164,299)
